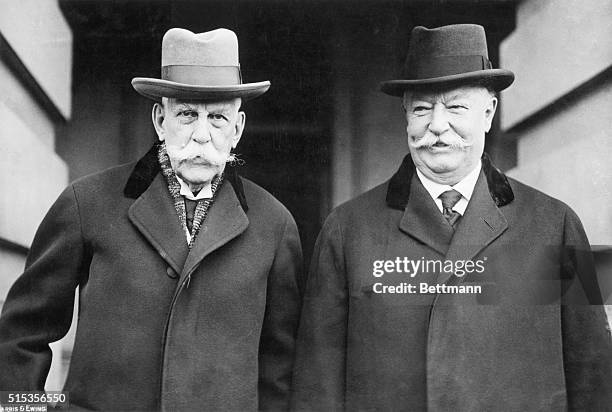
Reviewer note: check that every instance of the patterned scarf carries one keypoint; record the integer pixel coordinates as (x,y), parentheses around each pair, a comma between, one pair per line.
(174,187)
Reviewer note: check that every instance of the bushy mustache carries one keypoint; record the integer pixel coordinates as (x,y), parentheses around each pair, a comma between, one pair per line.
(191,156)
(187,155)
(429,140)
(203,159)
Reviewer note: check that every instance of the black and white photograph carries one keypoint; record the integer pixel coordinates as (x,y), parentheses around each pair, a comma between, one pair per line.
(305,205)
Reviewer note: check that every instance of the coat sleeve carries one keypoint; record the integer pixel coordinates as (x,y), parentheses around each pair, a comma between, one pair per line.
(319,374)
(587,344)
(38,308)
(277,344)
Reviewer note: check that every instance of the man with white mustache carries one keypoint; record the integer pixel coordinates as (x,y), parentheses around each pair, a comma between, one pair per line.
(446,131)
(520,328)
(187,272)
(199,136)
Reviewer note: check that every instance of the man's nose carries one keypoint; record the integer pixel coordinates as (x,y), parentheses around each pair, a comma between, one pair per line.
(439,120)
(201,131)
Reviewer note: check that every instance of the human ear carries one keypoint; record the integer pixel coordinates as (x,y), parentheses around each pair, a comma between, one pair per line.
(238,128)
(157,116)
(490,109)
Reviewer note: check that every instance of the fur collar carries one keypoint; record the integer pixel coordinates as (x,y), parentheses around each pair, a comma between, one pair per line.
(399,185)
(148,167)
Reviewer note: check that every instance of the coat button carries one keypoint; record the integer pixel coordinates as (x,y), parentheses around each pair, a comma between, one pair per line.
(171,273)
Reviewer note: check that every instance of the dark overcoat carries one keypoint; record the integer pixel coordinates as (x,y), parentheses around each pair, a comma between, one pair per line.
(527,342)
(159,326)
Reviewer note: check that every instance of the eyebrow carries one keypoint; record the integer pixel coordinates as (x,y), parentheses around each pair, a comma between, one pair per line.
(429,99)
(220,108)
(224,108)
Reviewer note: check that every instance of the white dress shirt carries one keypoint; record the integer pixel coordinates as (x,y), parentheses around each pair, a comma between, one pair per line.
(465,186)
(204,193)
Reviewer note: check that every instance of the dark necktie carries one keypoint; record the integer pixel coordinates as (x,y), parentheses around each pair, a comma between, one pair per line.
(190,206)
(449,200)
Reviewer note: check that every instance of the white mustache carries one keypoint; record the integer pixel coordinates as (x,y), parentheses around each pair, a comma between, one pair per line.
(429,140)
(193,156)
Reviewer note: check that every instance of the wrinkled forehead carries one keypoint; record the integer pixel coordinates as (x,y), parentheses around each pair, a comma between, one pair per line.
(464,92)
(231,105)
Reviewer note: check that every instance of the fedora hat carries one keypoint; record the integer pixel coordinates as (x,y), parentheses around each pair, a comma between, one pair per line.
(199,66)
(448,56)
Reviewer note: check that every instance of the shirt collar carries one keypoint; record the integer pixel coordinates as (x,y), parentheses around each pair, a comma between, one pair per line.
(465,186)
(204,193)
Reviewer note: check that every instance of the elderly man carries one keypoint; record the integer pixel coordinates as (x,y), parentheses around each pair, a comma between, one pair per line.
(451,286)
(187,273)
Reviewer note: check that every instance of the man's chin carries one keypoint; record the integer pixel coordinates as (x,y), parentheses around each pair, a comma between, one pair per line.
(442,162)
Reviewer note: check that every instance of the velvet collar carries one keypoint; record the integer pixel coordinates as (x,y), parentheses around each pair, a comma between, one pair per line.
(397,193)
(399,185)
(148,167)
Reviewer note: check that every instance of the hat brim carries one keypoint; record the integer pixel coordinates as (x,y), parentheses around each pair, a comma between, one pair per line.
(155,89)
(498,79)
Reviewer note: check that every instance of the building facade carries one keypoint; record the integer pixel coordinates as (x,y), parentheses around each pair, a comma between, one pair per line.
(35,99)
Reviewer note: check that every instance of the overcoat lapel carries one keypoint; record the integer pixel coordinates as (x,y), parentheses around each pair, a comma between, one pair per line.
(422,219)
(481,224)
(154,215)
(225,220)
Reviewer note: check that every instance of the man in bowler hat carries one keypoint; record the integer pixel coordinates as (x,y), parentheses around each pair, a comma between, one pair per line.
(452,286)
(187,273)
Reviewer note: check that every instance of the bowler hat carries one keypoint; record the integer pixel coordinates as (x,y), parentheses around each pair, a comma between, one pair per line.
(199,66)
(448,56)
